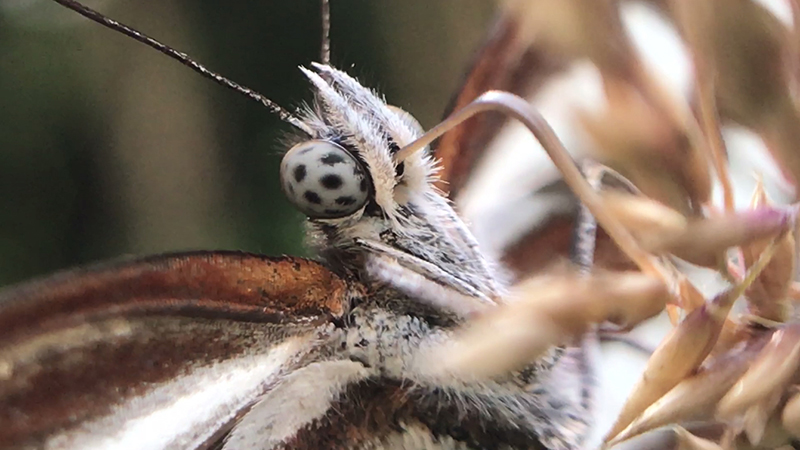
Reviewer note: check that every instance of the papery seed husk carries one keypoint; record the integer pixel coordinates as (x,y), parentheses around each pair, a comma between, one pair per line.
(745,47)
(688,441)
(696,397)
(586,28)
(644,216)
(705,240)
(781,132)
(497,345)
(790,416)
(697,177)
(548,311)
(759,197)
(743,44)
(733,332)
(691,298)
(624,298)
(768,296)
(761,427)
(634,139)
(771,372)
(655,182)
(674,314)
(678,355)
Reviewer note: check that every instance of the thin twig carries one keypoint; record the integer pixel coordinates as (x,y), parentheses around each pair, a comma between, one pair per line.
(680,118)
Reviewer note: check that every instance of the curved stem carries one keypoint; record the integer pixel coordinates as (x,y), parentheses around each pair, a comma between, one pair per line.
(521,110)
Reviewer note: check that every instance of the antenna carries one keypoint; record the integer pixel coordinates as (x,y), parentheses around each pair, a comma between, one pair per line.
(325,51)
(184,59)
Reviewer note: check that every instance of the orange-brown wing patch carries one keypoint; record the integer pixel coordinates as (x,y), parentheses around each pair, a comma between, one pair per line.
(217,284)
(92,346)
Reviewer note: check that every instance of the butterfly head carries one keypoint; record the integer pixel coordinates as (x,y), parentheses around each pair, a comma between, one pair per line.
(347,170)
(365,205)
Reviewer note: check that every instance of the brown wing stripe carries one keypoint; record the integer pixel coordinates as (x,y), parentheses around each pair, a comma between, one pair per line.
(373,409)
(231,285)
(77,345)
(52,391)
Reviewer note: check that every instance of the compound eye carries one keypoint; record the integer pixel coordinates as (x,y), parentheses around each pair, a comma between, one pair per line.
(323,180)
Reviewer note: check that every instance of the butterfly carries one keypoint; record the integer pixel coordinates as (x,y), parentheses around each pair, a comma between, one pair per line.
(235,350)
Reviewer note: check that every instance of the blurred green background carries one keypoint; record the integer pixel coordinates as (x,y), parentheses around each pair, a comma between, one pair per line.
(108,148)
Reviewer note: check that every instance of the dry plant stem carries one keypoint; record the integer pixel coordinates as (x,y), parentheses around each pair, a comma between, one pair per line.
(704,91)
(794,291)
(726,300)
(521,110)
(768,375)
(663,101)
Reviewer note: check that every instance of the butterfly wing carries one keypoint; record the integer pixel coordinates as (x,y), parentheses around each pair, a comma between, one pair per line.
(501,180)
(163,352)
(510,60)
(518,207)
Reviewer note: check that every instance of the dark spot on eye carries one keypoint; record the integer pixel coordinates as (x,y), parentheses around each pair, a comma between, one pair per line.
(331,181)
(393,147)
(300,173)
(345,201)
(400,169)
(312,197)
(363,185)
(331,159)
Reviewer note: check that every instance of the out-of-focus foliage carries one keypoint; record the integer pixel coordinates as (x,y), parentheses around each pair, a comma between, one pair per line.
(109,148)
